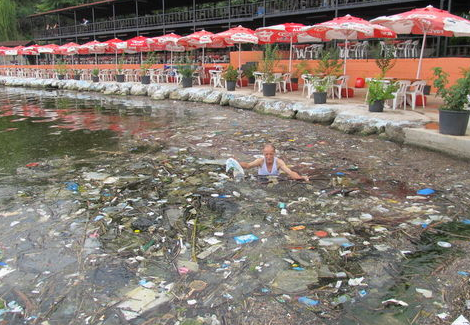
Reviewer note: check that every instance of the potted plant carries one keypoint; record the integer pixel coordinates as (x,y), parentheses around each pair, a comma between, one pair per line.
(186,72)
(76,74)
(95,75)
(119,69)
(454,113)
(378,92)
(248,72)
(231,76)
(320,93)
(328,68)
(269,61)
(145,67)
(61,70)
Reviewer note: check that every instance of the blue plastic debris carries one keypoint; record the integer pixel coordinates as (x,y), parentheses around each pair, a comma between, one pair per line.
(3,264)
(298,268)
(98,217)
(71,186)
(426,191)
(347,244)
(281,205)
(362,293)
(466,221)
(464,273)
(245,239)
(265,290)
(307,301)
(340,174)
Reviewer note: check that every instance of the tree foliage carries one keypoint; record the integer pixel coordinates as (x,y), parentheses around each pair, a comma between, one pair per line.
(8,21)
(46,5)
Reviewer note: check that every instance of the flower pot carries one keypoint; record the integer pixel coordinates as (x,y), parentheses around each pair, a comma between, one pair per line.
(294,80)
(319,98)
(145,80)
(427,90)
(95,79)
(269,89)
(61,77)
(187,82)
(377,106)
(120,78)
(231,85)
(251,80)
(292,86)
(453,122)
(76,77)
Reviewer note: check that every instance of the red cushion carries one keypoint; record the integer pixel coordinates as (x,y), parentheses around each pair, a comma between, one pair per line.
(360,83)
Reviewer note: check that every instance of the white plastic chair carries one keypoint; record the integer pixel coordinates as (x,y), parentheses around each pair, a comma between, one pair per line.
(415,89)
(258,81)
(307,79)
(399,97)
(340,84)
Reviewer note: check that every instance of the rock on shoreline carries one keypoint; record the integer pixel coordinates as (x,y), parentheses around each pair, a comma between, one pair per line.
(347,121)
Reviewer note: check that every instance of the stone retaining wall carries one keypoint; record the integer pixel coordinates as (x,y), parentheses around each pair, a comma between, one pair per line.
(339,116)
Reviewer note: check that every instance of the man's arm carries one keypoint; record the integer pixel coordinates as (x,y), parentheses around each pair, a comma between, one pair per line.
(282,165)
(254,163)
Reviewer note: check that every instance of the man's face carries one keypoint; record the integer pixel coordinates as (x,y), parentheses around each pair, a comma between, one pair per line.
(268,153)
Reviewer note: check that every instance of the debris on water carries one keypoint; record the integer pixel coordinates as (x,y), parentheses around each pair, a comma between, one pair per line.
(307,301)
(395,302)
(425,191)
(444,244)
(244,239)
(426,293)
(461,320)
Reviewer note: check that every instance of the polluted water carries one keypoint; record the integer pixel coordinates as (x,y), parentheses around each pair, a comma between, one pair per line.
(121,210)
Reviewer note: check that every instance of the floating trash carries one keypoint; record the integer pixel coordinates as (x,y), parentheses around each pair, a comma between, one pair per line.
(444,244)
(426,191)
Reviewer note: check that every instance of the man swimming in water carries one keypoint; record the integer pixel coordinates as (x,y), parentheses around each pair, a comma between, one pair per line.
(270,165)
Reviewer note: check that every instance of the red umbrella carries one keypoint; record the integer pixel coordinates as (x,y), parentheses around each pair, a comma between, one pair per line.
(13,50)
(348,28)
(67,49)
(285,33)
(49,48)
(115,45)
(138,44)
(93,47)
(200,39)
(30,50)
(237,35)
(426,21)
(168,42)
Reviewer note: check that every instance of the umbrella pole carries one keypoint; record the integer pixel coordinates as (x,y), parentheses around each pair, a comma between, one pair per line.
(96,58)
(141,54)
(239,58)
(203,56)
(421,55)
(290,55)
(171,58)
(346,51)
(115,53)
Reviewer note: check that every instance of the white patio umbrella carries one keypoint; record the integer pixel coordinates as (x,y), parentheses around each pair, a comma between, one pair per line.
(426,21)
(349,28)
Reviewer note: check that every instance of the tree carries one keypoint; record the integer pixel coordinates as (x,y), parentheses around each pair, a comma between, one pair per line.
(8,21)
(46,5)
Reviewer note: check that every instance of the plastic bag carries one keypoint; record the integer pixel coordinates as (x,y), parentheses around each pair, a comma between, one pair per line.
(238,172)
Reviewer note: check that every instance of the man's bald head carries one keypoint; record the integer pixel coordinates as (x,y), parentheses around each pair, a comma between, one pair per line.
(269,147)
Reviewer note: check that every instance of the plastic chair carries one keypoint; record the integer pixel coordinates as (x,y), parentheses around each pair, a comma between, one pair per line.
(258,81)
(399,97)
(307,79)
(340,84)
(415,89)
(414,49)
